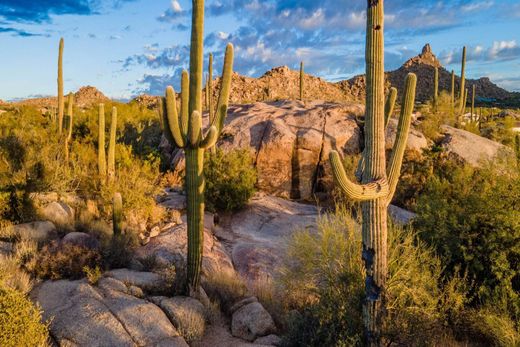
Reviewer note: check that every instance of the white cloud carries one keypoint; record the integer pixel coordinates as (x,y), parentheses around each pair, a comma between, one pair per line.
(176,7)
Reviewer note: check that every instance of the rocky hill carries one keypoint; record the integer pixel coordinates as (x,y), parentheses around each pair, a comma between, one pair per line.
(84,97)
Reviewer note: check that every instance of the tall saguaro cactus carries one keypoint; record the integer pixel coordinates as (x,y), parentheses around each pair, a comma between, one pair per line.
(68,138)
(436,89)
(186,131)
(302,76)
(378,183)
(102,164)
(463,83)
(111,165)
(61,99)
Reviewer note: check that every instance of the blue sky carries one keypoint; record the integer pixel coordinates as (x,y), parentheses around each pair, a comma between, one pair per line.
(126,47)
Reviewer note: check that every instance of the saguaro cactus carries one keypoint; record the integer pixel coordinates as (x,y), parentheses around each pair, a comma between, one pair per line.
(188,135)
(68,138)
(436,89)
(102,164)
(378,184)
(452,93)
(473,103)
(209,89)
(61,99)
(462,83)
(112,147)
(302,76)
(464,101)
(117,214)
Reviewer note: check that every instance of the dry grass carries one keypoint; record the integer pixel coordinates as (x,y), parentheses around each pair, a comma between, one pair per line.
(12,276)
(225,288)
(191,325)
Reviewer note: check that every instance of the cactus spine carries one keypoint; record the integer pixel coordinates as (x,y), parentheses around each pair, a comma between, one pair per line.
(61,99)
(111,165)
(68,138)
(436,89)
(302,76)
(117,214)
(102,165)
(188,135)
(377,184)
(463,83)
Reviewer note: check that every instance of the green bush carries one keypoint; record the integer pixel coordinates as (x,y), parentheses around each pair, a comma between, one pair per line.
(230,179)
(472,219)
(20,321)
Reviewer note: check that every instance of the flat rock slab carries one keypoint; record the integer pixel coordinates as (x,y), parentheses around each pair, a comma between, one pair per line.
(84,315)
(147,281)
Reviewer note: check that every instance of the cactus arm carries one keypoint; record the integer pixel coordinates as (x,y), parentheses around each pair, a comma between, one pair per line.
(195,130)
(163,118)
(61,99)
(357,192)
(403,130)
(389,110)
(102,165)
(173,117)
(225,89)
(211,138)
(185,100)
(111,157)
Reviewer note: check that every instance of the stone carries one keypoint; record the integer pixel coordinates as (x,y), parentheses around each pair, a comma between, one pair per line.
(416,140)
(400,215)
(181,310)
(252,321)
(470,148)
(83,315)
(81,239)
(59,213)
(155,231)
(112,284)
(269,340)
(147,281)
(6,248)
(241,303)
(36,231)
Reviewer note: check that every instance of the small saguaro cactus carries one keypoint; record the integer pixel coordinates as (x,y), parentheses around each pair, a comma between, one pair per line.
(378,184)
(102,164)
(68,138)
(473,116)
(465,101)
(452,93)
(117,214)
(111,165)
(61,99)
(463,83)
(302,76)
(186,131)
(436,89)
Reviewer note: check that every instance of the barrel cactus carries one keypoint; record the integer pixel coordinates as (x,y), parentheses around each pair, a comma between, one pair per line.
(378,183)
(186,131)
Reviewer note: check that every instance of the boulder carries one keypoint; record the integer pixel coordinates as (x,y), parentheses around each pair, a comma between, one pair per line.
(147,281)
(269,340)
(416,140)
(182,310)
(259,232)
(83,315)
(252,321)
(36,231)
(170,248)
(59,213)
(470,148)
(400,216)
(80,239)
(6,248)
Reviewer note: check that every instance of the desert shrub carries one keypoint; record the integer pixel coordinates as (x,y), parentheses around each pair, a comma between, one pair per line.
(191,325)
(472,219)
(225,288)
(93,274)
(433,119)
(20,321)
(118,250)
(12,276)
(230,179)
(63,261)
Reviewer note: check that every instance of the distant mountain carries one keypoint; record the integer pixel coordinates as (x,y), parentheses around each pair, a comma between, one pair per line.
(84,97)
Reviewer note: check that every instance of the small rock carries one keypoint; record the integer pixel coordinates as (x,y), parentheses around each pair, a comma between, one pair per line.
(155,231)
(147,281)
(269,340)
(36,231)
(181,309)
(252,321)
(136,291)
(6,248)
(400,216)
(242,303)
(59,213)
(112,284)
(81,239)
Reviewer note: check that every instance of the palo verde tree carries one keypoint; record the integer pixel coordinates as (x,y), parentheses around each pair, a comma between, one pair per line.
(378,183)
(186,132)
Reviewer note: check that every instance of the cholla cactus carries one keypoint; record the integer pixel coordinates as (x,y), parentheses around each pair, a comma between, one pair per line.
(378,183)
(61,99)
(186,131)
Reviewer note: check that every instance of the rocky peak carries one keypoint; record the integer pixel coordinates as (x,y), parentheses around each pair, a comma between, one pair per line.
(87,96)
(425,58)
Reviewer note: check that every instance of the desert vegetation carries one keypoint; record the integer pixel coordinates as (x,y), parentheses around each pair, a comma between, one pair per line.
(388,215)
